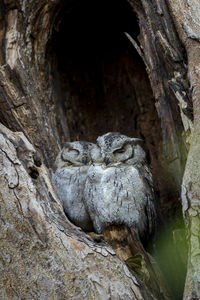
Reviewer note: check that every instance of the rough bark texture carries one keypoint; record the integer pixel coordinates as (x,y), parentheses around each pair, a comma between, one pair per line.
(43,256)
(186,18)
(129,66)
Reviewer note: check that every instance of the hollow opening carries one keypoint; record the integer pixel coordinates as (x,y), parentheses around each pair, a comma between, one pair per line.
(102,85)
(100,79)
(103,80)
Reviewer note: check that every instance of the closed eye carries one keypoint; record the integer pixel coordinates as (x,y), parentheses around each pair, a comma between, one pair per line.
(65,154)
(122,150)
(74,151)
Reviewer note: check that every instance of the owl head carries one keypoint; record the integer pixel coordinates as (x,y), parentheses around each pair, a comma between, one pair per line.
(78,153)
(118,148)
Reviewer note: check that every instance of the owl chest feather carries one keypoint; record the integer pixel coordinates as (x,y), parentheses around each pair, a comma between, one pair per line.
(70,183)
(117,195)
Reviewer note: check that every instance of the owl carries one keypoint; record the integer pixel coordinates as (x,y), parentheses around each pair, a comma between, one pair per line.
(71,167)
(120,190)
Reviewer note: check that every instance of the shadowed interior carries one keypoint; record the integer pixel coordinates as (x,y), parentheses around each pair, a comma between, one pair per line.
(103,85)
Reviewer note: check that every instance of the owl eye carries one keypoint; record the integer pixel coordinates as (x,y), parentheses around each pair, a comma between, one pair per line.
(74,151)
(118,151)
(67,155)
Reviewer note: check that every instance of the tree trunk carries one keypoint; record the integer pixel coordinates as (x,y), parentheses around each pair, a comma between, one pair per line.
(186,18)
(73,70)
(43,256)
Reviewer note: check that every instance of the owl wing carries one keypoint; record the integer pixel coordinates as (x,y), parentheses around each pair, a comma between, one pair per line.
(93,195)
(150,207)
(69,184)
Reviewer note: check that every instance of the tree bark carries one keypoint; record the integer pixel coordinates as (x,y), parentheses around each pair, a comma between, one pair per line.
(187,22)
(49,93)
(43,256)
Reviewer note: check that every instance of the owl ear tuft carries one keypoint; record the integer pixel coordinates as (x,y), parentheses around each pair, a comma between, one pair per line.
(98,139)
(65,149)
(136,141)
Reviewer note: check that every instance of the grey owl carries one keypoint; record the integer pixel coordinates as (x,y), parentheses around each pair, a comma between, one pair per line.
(120,190)
(69,178)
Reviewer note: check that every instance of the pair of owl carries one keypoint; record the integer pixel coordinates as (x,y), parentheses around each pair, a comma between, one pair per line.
(108,183)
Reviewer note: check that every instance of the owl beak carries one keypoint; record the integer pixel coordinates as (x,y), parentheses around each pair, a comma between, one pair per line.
(107,161)
(85,160)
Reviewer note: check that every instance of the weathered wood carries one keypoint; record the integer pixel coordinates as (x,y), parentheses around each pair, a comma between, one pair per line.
(126,244)
(186,18)
(43,256)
